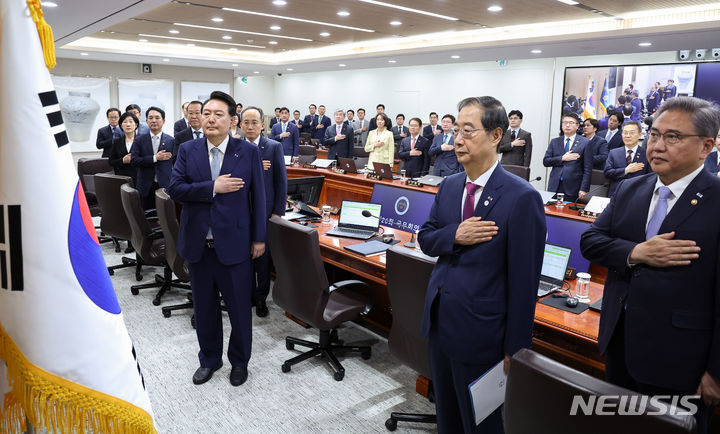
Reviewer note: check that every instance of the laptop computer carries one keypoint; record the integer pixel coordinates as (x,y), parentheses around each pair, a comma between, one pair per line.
(353,224)
(322,162)
(552,275)
(432,180)
(384,170)
(348,165)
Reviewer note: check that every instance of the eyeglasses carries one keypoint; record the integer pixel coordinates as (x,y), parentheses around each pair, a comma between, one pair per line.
(569,123)
(465,134)
(669,138)
(253,123)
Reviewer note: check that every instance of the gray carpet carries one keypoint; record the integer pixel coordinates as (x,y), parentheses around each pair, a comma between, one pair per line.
(305,400)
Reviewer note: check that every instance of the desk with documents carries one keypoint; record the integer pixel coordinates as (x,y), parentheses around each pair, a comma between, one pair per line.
(569,338)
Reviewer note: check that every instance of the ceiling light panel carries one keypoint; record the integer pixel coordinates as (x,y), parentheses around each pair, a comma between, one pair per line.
(199,40)
(289,18)
(407,9)
(221,29)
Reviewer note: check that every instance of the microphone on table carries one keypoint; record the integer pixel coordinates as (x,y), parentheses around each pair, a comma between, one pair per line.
(536,179)
(411,244)
(367,213)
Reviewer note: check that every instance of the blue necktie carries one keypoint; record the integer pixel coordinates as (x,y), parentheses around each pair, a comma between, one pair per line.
(445,139)
(197,134)
(567,144)
(283,127)
(660,212)
(215,163)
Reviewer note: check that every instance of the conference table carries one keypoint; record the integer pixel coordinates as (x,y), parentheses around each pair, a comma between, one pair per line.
(567,337)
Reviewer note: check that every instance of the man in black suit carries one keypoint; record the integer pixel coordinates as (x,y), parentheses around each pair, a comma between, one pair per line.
(276,119)
(106,134)
(516,144)
(151,154)
(432,130)
(296,120)
(400,131)
(339,137)
(310,121)
(612,134)
(373,123)
(182,123)
(194,131)
(658,237)
(413,150)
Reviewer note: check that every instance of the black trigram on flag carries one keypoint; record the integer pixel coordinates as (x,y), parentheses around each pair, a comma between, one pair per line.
(11,260)
(52,111)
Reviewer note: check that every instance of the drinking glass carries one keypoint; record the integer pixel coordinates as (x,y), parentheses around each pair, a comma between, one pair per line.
(326,214)
(402,174)
(560,200)
(582,287)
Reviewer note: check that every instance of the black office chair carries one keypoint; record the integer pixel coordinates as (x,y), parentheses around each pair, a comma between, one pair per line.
(599,185)
(521,171)
(302,289)
(361,157)
(87,168)
(307,154)
(539,396)
(315,142)
(408,274)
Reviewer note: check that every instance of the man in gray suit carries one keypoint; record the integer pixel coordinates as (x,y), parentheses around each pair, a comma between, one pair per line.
(361,128)
(516,144)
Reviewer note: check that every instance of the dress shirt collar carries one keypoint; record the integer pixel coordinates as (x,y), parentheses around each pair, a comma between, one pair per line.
(678,187)
(482,180)
(257,140)
(222,146)
(572,139)
(633,149)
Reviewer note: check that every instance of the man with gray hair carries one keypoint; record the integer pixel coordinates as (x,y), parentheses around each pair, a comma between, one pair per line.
(660,240)
(339,137)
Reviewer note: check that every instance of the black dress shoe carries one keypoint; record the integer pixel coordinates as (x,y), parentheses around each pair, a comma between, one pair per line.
(238,375)
(202,375)
(261,309)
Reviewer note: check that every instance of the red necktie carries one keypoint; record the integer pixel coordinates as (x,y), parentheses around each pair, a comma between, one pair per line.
(412,144)
(629,156)
(469,206)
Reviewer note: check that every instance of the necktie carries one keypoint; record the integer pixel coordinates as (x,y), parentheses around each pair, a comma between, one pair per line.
(608,136)
(116,132)
(512,135)
(659,215)
(469,206)
(155,144)
(338,129)
(628,159)
(718,164)
(445,139)
(197,134)
(215,163)
(567,144)
(284,126)
(412,143)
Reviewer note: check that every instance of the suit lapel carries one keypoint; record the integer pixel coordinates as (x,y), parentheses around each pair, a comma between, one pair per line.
(683,208)
(201,158)
(490,194)
(232,156)
(641,205)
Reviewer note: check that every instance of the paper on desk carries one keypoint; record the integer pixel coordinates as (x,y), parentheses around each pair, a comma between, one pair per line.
(487,393)
(546,196)
(597,204)
(292,215)
(288,160)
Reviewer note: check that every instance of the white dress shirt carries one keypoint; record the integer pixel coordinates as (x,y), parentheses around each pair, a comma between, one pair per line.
(677,188)
(481,182)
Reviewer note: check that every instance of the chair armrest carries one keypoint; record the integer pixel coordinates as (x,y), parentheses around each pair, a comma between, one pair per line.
(359,283)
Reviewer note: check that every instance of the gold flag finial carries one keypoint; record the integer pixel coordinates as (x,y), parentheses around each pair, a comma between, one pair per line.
(44,31)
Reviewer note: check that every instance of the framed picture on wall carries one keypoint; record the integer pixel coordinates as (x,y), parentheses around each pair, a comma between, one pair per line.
(148,93)
(192,90)
(83,102)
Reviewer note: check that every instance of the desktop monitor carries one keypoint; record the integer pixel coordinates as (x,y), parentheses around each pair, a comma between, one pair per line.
(567,232)
(402,208)
(306,190)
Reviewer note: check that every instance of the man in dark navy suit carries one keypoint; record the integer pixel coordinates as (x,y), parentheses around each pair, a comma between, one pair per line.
(629,161)
(571,165)
(310,122)
(194,131)
(275,178)
(323,122)
(286,133)
(712,162)
(219,181)
(151,154)
(612,134)
(297,122)
(276,119)
(182,123)
(414,151)
(106,134)
(432,130)
(479,307)
(441,147)
(660,240)
(670,90)
(339,137)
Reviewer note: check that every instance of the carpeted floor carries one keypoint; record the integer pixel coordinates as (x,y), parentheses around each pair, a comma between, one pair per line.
(305,400)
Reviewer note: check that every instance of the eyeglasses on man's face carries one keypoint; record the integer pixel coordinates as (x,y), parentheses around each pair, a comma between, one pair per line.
(669,137)
(465,133)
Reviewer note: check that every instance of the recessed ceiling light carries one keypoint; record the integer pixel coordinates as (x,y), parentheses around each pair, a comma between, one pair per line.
(407,9)
(142,40)
(324,34)
(227,37)
(272,42)
(536,51)
(245,32)
(275,27)
(392,61)
(289,18)
(173,31)
(569,2)
(645,44)
(217,20)
(290,69)
(166,60)
(250,41)
(112,33)
(343,13)
(233,49)
(49,4)
(342,65)
(256,72)
(279,2)
(455,57)
(495,8)
(84,54)
(395,23)
(234,64)
(190,45)
(175,38)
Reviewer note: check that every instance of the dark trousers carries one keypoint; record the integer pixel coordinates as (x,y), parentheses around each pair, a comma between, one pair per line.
(450,379)
(209,280)
(261,277)
(569,196)
(148,201)
(616,372)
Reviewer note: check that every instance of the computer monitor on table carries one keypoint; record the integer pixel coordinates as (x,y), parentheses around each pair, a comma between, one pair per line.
(567,232)
(403,209)
(306,190)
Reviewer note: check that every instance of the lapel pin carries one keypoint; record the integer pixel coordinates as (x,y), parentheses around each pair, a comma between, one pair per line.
(698,194)
(486,203)
(693,202)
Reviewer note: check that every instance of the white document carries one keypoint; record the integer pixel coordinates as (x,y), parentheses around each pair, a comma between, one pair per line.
(288,160)
(597,204)
(487,393)
(546,196)
(292,215)
(322,162)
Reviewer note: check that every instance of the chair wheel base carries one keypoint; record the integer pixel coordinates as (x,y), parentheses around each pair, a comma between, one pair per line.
(138,277)
(111,272)
(166,314)
(285,367)
(156,302)
(391,424)
(338,376)
(134,291)
(365,355)
(290,346)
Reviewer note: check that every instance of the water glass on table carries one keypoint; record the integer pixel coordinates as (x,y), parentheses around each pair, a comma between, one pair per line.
(326,214)
(582,287)
(560,200)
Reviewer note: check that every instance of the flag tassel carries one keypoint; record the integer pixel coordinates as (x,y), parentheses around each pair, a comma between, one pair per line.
(59,405)
(44,31)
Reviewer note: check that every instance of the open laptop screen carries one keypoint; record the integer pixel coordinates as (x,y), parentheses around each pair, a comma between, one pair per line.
(555,261)
(351,215)
(402,208)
